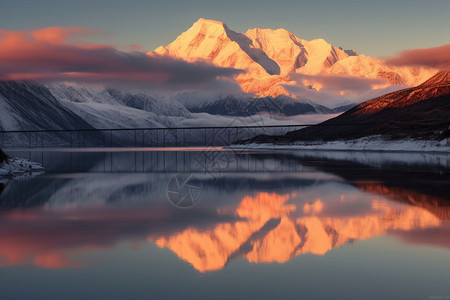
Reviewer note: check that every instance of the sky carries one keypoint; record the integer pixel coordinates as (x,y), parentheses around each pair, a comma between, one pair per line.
(376,28)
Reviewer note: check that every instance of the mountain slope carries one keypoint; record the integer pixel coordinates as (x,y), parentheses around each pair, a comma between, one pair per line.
(108,108)
(32,106)
(27,106)
(269,56)
(419,112)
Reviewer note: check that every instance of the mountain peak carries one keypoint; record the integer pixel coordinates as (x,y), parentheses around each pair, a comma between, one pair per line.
(198,42)
(204,26)
(207,22)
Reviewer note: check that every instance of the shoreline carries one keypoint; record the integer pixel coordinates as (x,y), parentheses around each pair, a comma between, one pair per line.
(366,144)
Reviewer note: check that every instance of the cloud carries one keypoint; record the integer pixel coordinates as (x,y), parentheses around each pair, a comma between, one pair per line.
(336,90)
(57,35)
(135,47)
(339,82)
(437,57)
(59,54)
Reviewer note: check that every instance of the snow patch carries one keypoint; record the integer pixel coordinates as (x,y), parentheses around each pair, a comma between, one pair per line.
(18,168)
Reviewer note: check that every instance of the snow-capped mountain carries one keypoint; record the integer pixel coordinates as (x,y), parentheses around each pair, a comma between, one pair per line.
(270,56)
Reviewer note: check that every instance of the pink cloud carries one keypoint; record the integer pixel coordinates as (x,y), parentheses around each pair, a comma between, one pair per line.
(55,54)
(62,34)
(437,57)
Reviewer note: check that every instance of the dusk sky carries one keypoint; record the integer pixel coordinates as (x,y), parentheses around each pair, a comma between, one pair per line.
(376,28)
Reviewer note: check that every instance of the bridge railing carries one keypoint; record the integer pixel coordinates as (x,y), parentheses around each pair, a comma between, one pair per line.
(138,137)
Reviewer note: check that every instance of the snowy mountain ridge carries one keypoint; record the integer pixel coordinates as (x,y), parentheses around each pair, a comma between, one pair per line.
(271,56)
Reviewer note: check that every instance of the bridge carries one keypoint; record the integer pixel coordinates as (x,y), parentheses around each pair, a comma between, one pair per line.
(138,137)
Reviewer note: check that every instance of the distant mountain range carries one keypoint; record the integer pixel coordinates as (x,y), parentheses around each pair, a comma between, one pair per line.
(419,112)
(269,57)
(282,105)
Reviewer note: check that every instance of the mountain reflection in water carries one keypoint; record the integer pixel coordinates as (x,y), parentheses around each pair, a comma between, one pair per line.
(270,234)
(264,218)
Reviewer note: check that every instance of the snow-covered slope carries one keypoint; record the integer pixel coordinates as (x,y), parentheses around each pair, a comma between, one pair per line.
(369,67)
(29,106)
(149,103)
(108,108)
(269,56)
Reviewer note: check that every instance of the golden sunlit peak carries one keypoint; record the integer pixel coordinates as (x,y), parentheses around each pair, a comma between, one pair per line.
(279,31)
(270,57)
(202,20)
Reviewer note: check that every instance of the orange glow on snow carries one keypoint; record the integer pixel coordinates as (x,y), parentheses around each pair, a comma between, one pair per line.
(290,236)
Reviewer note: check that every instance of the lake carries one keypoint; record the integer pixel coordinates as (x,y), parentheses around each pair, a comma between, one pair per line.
(195,223)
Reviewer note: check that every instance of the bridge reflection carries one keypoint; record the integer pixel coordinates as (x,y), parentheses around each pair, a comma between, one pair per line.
(197,160)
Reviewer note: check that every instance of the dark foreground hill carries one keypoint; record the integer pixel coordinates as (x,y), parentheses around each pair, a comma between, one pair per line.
(421,112)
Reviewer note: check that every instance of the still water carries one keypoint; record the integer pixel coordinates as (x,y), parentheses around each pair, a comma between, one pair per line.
(219,224)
